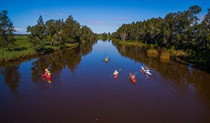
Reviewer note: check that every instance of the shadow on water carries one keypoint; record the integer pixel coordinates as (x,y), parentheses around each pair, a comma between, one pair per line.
(11,76)
(183,75)
(55,62)
(61,59)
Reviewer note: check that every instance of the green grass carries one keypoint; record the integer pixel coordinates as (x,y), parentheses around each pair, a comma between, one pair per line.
(152,51)
(23,49)
(21,37)
(13,55)
(165,55)
(22,41)
(131,43)
(70,45)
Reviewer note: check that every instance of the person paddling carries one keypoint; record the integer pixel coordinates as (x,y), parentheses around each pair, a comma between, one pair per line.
(115,72)
(133,77)
(46,72)
(106,59)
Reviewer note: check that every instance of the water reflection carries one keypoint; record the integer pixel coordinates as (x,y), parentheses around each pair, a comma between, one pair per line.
(59,60)
(55,62)
(180,74)
(179,93)
(11,76)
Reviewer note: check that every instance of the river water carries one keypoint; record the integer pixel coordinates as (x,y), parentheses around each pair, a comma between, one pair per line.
(83,90)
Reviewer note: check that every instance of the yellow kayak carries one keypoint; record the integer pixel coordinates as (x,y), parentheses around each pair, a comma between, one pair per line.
(106,59)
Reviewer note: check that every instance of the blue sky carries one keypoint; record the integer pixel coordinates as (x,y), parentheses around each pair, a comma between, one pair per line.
(100,15)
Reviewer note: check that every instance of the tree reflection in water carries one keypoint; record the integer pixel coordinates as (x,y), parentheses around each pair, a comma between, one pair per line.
(59,60)
(181,74)
(55,62)
(11,76)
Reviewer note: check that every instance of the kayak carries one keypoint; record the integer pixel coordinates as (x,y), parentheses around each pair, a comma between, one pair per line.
(133,79)
(115,75)
(46,76)
(146,71)
(106,59)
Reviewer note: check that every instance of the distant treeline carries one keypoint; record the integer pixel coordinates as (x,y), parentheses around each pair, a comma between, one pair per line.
(59,32)
(52,32)
(180,31)
(42,38)
(104,36)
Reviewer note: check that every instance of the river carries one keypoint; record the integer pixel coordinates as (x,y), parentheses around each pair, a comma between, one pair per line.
(83,90)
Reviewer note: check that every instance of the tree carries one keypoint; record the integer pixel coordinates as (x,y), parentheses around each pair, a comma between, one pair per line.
(6,30)
(38,33)
(71,28)
(50,30)
(206,31)
(123,32)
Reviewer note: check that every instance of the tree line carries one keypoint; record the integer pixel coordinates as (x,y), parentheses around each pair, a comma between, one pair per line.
(59,32)
(182,30)
(52,32)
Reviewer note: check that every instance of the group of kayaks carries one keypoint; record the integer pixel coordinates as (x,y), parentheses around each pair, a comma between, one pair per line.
(132,77)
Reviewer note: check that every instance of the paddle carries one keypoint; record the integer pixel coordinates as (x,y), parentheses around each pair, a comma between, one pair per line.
(117,71)
(132,74)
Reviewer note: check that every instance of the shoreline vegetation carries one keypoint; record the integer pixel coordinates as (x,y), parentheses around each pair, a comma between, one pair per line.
(184,35)
(24,49)
(179,56)
(44,37)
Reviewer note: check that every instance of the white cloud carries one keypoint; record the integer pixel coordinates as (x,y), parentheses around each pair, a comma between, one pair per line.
(20,31)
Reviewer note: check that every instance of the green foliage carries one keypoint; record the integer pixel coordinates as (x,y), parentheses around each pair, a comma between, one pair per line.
(37,36)
(58,33)
(22,49)
(177,31)
(6,31)
(104,36)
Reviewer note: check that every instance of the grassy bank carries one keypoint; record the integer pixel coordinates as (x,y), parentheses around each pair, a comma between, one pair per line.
(23,49)
(133,43)
(166,54)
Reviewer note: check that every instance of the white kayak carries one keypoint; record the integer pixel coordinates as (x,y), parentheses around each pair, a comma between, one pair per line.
(146,71)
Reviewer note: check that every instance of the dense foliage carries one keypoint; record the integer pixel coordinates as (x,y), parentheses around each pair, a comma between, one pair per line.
(6,30)
(179,30)
(59,32)
(104,36)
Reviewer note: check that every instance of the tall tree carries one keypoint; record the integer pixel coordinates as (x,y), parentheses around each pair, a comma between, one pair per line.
(50,30)
(38,33)
(206,25)
(6,30)
(71,28)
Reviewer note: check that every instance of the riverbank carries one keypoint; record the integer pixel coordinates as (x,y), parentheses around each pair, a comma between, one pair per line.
(179,56)
(24,49)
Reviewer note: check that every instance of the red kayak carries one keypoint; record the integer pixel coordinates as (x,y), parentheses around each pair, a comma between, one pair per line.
(132,78)
(46,76)
(115,76)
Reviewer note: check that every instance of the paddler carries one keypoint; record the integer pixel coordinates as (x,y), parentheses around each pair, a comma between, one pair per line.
(107,59)
(115,72)
(133,77)
(46,72)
